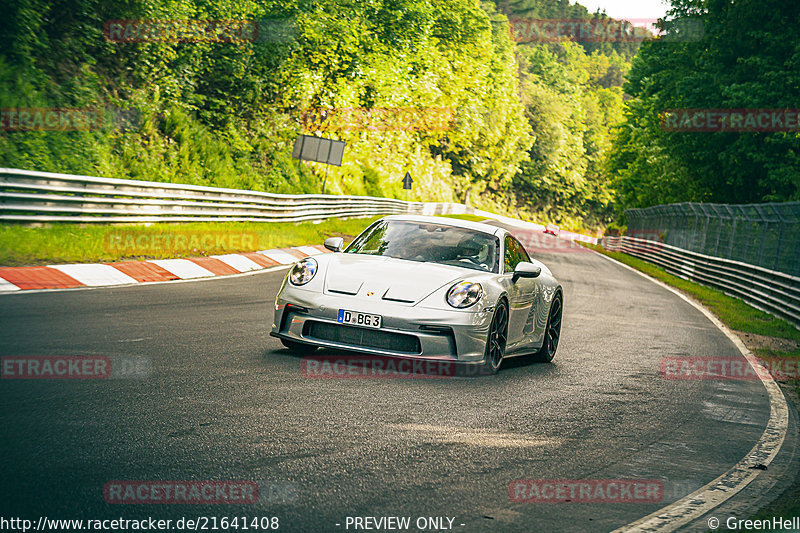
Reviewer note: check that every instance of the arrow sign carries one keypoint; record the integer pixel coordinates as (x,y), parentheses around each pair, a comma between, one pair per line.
(407,181)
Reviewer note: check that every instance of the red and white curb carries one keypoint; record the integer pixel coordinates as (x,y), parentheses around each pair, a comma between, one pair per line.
(14,279)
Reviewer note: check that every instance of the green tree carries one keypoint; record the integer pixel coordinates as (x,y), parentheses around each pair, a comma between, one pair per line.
(736,64)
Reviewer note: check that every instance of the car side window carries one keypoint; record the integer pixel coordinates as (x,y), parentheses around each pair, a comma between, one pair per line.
(523,253)
(515,254)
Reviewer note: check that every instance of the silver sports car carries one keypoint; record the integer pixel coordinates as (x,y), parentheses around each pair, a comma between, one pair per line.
(423,287)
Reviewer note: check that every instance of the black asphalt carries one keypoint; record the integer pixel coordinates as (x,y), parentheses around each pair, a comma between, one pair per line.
(224,401)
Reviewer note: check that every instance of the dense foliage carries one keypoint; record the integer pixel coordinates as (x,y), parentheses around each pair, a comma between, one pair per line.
(748,57)
(528,130)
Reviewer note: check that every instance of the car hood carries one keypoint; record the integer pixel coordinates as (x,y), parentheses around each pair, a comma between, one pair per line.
(395,280)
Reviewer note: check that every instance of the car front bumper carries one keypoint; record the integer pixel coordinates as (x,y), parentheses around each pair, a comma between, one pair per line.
(406,330)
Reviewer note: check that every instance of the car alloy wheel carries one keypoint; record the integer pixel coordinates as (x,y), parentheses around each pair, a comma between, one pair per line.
(496,341)
(552,332)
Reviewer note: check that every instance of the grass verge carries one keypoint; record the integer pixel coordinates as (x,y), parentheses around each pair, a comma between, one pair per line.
(767,336)
(86,243)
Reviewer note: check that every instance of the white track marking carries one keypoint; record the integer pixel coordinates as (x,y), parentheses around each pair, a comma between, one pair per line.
(308,250)
(239,262)
(183,268)
(7,286)
(280,256)
(95,275)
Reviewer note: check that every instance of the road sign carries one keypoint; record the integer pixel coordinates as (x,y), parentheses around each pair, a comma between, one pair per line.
(319,149)
(407,181)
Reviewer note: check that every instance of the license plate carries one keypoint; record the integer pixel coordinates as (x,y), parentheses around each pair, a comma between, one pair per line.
(359,319)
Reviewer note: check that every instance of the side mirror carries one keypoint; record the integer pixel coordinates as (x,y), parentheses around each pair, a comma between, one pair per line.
(526,270)
(334,244)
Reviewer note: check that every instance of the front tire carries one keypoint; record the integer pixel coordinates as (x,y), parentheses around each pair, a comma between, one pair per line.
(298,347)
(496,340)
(552,332)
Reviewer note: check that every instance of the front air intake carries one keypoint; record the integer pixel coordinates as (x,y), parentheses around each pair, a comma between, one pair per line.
(362,337)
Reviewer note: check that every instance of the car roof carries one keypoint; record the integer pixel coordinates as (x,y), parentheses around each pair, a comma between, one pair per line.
(446,221)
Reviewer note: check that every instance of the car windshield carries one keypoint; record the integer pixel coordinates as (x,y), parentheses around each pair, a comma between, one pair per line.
(429,243)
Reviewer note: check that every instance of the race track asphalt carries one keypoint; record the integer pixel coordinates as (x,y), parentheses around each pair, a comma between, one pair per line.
(221,400)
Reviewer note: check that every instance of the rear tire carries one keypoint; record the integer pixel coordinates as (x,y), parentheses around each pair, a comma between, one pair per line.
(297,347)
(496,340)
(552,332)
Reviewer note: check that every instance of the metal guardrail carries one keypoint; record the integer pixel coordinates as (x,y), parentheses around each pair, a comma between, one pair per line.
(769,290)
(27,196)
(40,197)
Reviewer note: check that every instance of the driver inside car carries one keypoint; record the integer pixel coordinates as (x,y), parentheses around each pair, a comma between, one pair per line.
(475,251)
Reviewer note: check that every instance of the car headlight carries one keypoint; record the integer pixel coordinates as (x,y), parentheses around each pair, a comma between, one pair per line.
(464,294)
(303,271)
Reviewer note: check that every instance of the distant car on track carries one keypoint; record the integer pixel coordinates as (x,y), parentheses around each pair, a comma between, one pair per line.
(552,229)
(423,287)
